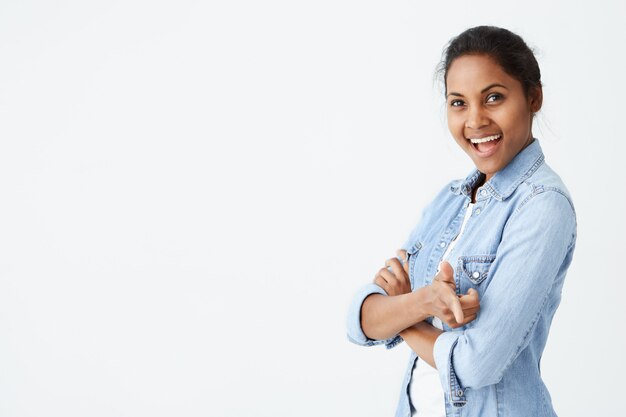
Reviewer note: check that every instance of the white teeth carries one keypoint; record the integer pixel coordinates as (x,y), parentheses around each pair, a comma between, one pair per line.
(485,139)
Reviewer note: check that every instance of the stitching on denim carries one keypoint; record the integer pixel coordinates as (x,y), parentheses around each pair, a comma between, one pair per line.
(455,186)
(571,204)
(456,399)
(411,257)
(527,175)
(479,258)
(451,370)
(493,191)
(540,189)
(464,185)
(396,340)
(536,190)
(416,247)
(476,259)
(408,378)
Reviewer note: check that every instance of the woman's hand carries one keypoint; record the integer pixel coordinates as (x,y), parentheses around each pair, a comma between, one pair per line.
(394,276)
(439,299)
(442,301)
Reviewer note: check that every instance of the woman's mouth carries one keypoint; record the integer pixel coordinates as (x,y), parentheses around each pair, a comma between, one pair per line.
(486,146)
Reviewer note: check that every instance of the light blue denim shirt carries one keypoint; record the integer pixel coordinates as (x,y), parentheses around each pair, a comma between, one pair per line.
(516,248)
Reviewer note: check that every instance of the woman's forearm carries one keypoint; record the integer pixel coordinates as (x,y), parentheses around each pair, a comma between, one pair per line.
(421,338)
(384,316)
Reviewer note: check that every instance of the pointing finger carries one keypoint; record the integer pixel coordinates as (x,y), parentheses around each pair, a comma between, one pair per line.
(401,253)
(396,267)
(455,305)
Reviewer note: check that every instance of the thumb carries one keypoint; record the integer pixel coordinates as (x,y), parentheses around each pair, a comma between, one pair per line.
(447,275)
(446,272)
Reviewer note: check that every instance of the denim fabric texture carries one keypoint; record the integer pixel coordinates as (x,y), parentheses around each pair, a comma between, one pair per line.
(516,249)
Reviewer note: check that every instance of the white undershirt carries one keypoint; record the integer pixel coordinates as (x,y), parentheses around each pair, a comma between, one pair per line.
(425,389)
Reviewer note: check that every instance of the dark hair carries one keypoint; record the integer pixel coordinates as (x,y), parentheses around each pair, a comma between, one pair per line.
(505,47)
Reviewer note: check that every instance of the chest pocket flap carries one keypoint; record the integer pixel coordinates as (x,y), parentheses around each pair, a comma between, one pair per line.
(476,268)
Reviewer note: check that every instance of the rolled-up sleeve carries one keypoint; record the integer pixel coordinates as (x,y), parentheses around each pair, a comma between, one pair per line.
(534,254)
(355,331)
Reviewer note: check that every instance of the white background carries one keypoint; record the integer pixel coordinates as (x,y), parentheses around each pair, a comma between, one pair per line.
(191,192)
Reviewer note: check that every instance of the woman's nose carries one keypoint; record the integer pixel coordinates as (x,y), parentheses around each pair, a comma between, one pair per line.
(476,118)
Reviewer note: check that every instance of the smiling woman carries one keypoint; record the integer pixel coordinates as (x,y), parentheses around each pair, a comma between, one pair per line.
(477,282)
(489,113)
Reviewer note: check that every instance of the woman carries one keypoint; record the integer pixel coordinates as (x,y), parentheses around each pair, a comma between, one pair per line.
(475,286)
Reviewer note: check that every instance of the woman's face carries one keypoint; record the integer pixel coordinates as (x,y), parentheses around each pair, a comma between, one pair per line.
(484,102)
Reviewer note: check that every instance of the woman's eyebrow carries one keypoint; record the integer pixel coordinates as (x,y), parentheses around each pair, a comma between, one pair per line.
(481,91)
(493,85)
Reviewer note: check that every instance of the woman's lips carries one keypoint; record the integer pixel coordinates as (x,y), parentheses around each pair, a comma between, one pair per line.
(488,148)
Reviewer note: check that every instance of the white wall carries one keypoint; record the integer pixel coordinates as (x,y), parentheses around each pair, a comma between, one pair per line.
(191,192)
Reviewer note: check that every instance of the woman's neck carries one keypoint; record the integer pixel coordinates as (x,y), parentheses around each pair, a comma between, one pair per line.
(482,180)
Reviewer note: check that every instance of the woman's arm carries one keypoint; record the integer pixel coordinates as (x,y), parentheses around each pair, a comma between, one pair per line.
(526,278)
(384,316)
(421,338)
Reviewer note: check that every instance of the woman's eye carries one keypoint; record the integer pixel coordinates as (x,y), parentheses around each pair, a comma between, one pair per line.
(494,96)
(456,103)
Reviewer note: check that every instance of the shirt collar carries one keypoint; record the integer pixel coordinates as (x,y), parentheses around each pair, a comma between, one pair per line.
(505,181)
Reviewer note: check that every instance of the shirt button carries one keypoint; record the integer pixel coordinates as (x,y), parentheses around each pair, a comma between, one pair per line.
(477,211)
(476,274)
(459,393)
(483,191)
(442,244)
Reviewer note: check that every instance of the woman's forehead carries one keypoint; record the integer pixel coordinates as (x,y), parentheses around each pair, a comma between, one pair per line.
(475,72)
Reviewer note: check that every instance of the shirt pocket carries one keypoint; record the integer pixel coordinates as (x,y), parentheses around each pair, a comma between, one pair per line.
(412,255)
(473,272)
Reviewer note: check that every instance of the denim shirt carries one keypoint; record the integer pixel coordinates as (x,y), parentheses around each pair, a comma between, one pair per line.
(516,248)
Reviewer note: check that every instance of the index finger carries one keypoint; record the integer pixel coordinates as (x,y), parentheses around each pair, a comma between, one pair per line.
(401,253)
(398,270)
(453,302)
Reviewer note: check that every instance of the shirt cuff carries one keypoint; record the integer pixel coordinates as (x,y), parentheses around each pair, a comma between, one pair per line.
(355,331)
(442,352)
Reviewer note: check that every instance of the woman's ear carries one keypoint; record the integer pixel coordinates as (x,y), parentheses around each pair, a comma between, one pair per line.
(536,99)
